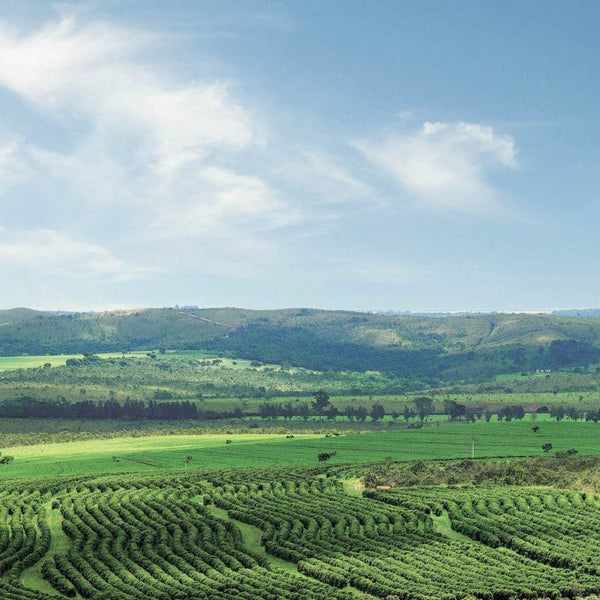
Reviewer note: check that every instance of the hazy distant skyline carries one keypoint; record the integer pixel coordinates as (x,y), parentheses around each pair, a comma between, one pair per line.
(413,155)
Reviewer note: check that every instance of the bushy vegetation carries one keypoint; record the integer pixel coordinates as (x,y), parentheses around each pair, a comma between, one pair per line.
(177,376)
(564,469)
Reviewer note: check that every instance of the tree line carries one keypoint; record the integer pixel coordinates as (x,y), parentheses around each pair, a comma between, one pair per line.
(27,407)
(419,410)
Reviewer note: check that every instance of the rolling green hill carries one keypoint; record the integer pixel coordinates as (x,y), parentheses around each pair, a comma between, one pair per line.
(18,315)
(462,348)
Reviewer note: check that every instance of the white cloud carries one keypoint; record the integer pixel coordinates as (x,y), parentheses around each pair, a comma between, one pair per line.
(222,203)
(55,252)
(327,177)
(94,71)
(146,148)
(444,165)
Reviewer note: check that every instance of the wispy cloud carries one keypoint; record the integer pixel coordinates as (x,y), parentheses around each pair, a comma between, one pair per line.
(166,155)
(13,165)
(332,179)
(95,72)
(445,165)
(59,253)
(220,202)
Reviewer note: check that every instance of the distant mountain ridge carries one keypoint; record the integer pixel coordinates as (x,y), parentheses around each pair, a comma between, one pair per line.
(578,312)
(454,348)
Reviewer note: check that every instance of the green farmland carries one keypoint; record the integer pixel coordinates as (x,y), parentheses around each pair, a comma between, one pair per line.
(158,453)
(245,495)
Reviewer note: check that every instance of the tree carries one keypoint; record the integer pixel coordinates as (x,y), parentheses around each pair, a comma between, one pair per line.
(407,413)
(547,447)
(323,456)
(186,460)
(454,410)
(303,410)
(288,410)
(535,428)
(361,413)
(349,412)
(321,401)
(424,406)
(377,411)
(331,413)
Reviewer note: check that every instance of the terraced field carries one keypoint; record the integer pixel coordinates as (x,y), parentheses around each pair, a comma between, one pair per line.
(292,533)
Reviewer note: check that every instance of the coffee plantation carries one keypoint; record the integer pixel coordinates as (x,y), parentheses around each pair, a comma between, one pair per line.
(180,536)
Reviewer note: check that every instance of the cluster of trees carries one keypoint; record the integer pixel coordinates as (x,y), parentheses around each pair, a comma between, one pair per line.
(322,407)
(88,357)
(27,407)
(510,412)
(422,407)
(304,410)
(301,347)
(573,413)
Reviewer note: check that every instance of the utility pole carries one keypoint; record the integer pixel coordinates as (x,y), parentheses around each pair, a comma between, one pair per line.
(473,440)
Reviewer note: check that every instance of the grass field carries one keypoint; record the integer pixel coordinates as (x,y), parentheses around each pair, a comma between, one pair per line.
(157,453)
(8,363)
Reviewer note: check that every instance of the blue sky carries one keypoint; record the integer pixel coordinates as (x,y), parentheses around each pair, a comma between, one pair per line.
(412,155)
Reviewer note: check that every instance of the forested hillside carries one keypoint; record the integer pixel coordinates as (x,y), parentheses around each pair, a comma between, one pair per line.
(446,349)
(16,315)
